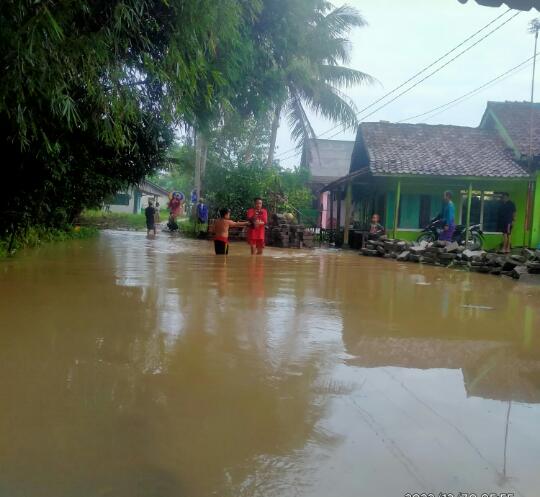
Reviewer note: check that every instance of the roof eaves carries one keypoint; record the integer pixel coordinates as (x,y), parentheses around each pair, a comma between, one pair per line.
(345,179)
(387,174)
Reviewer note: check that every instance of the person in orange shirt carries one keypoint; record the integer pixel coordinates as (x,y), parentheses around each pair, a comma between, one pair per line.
(257,218)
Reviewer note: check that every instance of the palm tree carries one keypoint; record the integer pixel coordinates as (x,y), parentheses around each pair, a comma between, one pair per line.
(312,75)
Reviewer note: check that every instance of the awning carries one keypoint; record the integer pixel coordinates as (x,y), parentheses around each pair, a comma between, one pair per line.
(513,4)
(343,181)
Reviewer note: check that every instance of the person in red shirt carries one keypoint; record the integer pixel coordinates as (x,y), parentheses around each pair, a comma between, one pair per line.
(257,218)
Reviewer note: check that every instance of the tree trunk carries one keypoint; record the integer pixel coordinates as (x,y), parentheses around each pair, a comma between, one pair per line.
(248,154)
(273,136)
(201,152)
(198,163)
(204,154)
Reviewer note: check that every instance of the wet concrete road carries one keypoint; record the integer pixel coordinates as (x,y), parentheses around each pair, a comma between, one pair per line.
(150,368)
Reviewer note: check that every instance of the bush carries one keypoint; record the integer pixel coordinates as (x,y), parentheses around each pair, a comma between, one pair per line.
(37,235)
(101,219)
(235,187)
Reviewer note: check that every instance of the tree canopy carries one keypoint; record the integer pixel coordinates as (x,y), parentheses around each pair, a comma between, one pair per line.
(93,91)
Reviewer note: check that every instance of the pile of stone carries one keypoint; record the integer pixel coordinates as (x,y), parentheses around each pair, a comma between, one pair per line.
(287,235)
(441,253)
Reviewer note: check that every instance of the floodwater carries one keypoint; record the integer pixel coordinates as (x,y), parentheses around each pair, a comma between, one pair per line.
(151,368)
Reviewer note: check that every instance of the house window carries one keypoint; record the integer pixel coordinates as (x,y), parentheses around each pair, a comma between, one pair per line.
(492,204)
(484,209)
(476,207)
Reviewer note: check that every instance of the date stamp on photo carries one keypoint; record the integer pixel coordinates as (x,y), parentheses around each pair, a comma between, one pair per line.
(460,494)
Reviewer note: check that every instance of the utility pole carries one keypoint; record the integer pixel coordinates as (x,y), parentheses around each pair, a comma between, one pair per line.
(534,27)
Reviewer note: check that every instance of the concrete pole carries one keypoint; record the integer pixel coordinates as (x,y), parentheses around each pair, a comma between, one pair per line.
(348,202)
(535,26)
(396,210)
(338,215)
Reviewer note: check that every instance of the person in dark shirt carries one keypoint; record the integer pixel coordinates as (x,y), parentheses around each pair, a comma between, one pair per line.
(507,216)
(150,214)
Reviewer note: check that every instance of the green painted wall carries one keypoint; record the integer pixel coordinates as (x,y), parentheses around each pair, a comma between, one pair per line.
(535,231)
(491,241)
(435,188)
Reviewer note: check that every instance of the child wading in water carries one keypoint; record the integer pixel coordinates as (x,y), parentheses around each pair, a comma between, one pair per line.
(221,231)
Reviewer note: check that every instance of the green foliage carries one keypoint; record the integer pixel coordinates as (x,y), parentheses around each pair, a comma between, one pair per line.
(91,91)
(37,235)
(235,187)
(307,43)
(98,218)
(179,170)
(240,139)
(188,227)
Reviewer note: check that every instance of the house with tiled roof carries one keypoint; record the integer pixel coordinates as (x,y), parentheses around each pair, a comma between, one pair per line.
(401,171)
(518,124)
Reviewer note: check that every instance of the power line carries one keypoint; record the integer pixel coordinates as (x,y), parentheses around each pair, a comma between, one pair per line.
(422,71)
(436,70)
(471,93)
(452,103)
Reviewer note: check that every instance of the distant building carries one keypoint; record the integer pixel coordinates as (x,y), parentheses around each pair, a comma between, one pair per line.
(135,198)
(401,171)
(327,161)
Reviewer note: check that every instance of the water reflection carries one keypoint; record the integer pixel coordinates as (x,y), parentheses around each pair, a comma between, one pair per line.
(133,366)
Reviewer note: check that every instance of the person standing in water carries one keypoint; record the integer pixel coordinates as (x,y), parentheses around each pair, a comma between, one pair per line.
(448,216)
(150,214)
(221,231)
(506,218)
(175,207)
(258,218)
(157,212)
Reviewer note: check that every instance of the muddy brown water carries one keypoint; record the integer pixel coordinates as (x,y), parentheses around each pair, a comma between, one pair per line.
(150,368)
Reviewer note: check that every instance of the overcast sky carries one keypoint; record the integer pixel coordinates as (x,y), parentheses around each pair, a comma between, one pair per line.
(404,36)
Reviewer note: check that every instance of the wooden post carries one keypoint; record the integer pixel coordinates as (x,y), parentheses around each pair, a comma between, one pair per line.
(468,218)
(396,209)
(331,194)
(348,202)
(338,215)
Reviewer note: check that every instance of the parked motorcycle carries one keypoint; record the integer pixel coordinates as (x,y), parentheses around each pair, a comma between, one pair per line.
(432,232)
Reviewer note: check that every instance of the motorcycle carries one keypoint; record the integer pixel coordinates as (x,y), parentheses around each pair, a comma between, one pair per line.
(435,227)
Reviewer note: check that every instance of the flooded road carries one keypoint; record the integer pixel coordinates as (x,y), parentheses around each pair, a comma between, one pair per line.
(151,368)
